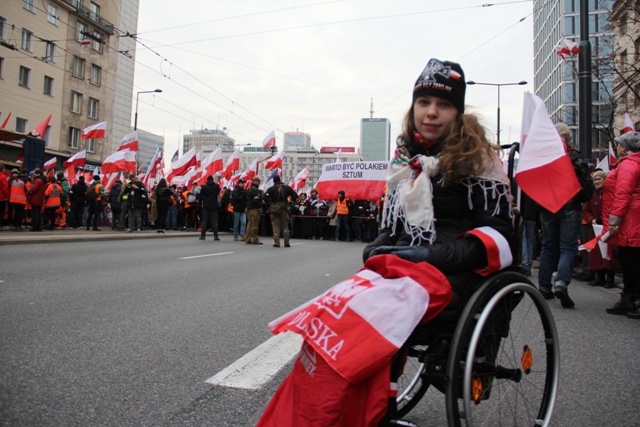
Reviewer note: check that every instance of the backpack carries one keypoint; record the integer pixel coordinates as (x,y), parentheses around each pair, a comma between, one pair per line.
(191,198)
(581,167)
(91,193)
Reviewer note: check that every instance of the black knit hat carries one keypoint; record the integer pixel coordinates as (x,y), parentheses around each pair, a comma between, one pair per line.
(443,79)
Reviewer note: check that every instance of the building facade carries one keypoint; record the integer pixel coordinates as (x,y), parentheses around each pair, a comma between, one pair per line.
(207,140)
(297,141)
(375,139)
(60,58)
(555,79)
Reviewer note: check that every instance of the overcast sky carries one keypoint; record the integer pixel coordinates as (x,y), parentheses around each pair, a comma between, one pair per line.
(253,66)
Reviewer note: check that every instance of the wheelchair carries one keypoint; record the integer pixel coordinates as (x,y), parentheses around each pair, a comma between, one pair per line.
(495,357)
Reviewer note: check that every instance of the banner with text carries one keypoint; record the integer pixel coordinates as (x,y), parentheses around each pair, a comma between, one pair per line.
(359,180)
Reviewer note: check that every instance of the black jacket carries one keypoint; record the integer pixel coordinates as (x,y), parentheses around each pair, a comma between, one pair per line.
(238,198)
(77,193)
(254,197)
(209,194)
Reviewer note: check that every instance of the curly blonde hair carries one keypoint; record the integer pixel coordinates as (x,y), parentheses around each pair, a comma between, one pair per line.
(463,148)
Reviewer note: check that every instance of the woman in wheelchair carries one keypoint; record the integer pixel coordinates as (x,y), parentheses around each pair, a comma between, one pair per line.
(448,200)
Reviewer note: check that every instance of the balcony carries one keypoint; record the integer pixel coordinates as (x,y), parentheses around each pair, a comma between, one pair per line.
(97,20)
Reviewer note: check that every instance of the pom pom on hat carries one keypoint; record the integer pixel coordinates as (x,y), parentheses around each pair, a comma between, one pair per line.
(443,79)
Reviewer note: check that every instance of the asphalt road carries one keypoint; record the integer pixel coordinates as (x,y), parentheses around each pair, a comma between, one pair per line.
(125,333)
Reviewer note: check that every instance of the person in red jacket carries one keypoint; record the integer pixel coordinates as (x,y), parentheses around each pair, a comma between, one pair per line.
(52,196)
(4,194)
(621,218)
(36,196)
(17,198)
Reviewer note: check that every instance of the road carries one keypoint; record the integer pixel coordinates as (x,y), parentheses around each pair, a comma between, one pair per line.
(125,333)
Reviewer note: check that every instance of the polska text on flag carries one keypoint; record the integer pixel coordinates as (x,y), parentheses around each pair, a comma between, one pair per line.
(359,180)
(545,172)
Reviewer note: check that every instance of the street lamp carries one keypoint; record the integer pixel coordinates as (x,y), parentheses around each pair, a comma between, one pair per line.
(522,82)
(135,120)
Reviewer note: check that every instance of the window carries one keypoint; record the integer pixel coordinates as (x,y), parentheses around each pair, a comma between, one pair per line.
(47,87)
(28,5)
(2,24)
(96,44)
(96,75)
(74,137)
(1,68)
(91,145)
(24,76)
(76,102)
(53,13)
(21,125)
(93,108)
(78,67)
(80,31)
(49,52)
(94,11)
(27,39)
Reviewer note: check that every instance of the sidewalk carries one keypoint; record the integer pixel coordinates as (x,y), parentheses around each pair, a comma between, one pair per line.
(81,235)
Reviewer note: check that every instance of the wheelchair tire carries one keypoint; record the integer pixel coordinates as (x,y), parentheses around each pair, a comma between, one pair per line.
(504,359)
(411,383)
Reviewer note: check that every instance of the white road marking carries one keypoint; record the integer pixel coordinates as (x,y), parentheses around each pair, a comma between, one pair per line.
(207,255)
(255,368)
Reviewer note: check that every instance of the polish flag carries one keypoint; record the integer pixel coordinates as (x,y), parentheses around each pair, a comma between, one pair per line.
(5,121)
(120,161)
(604,164)
(628,124)
(155,167)
(50,164)
(41,128)
(566,48)
(180,166)
(360,180)
(78,160)
(545,172)
(613,159)
(358,324)
(269,141)
(233,164)
(275,161)
(301,179)
(129,142)
(85,42)
(99,130)
(252,170)
(210,165)
(269,182)
(109,180)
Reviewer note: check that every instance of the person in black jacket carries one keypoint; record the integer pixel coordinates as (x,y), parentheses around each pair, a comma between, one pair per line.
(163,201)
(279,197)
(239,203)
(114,203)
(209,194)
(448,200)
(78,199)
(254,209)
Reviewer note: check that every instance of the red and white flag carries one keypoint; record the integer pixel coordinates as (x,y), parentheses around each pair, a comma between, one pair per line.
(613,159)
(275,161)
(628,124)
(129,142)
(50,164)
(99,130)
(269,141)
(566,48)
(339,158)
(301,179)
(155,168)
(40,130)
(120,161)
(545,172)
(78,160)
(360,180)
(604,164)
(5,121)
(232,164)
(251,171)
(180,166)
(210,165)
(85,42)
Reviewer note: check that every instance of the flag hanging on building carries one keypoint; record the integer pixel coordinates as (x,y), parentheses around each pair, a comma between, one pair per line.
(78,160)
(545,172)
(275,161)
(50,164)
(129,142)
(99,130)
(269,141)
(40,130)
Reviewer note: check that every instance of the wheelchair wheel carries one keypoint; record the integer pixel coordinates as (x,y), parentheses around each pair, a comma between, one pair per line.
(503,364)
(411,383)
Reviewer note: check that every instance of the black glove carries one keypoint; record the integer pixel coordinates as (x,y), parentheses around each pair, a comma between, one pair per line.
(410,253)
(383,239)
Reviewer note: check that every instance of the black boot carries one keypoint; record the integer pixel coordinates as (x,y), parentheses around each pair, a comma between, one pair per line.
(624,306)
(611,279)
(599,280)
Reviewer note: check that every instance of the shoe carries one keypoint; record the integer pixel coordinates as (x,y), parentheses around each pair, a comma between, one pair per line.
(599,280)
(611,280)
(216,238)
(258,243)
(242,238)
(563,295)
(276,245)
(635,314)
(624,306)
(201,238)
(158,231)
(96,229)
(547,293)
(88,228)
(235,239)
(286,245)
